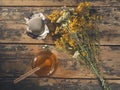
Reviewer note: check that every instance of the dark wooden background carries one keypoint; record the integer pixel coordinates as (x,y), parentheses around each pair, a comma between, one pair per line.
(17,50)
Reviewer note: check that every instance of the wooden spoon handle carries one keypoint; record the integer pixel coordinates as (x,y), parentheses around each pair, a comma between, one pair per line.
(26,75)
(47,63)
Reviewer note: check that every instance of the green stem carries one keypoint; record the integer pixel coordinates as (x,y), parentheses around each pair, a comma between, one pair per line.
(97,73)
(92,65)
(90,60)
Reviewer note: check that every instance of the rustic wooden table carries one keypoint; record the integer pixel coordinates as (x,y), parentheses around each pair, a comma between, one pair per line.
(17,50)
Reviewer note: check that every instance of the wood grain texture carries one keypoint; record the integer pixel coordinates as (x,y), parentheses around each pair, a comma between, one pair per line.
(55,84)
(57,2)
(13,28)
(18,50)
(16,59)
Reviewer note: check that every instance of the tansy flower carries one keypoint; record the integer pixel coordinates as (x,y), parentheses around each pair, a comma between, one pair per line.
(59,44)
(57,30)
(87,4)
(54,16)
(65,37)
(81,6)
(73,24)
(72,43)
(84,53)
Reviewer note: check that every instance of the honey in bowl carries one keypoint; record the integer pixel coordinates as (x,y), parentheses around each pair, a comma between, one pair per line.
(49,62)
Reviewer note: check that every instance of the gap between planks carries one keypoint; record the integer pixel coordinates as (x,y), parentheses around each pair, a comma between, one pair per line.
(49,77)
(51,44)
(66,5)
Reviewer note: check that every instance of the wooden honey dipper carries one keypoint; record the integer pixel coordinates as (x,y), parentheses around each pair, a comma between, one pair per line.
(30,72)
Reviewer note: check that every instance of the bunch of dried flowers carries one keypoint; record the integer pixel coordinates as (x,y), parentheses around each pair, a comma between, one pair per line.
(77,32)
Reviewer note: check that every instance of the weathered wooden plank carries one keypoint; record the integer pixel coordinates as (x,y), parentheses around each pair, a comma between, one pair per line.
(110,35)
(55,84)
(56,2)
(16,59)
(12,26)
(18,13)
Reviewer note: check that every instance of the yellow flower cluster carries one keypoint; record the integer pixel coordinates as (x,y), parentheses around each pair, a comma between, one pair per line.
(82,6)
(54,15)
(72,25)
(65,39)
(59,44)
(75,22)
(84,53)
(72,43)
